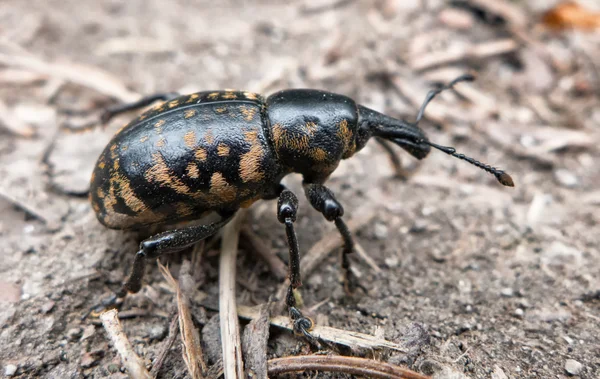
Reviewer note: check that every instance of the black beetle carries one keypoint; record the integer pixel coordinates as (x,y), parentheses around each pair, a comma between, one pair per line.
(221,151)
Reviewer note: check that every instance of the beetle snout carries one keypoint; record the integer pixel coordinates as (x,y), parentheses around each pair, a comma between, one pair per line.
(417,149)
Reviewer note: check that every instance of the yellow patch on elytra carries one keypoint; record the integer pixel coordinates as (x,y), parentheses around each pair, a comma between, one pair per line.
(251,136)
(213,96)
(208,137)
(162,174)
(161,142)
(158,126)
(158,107)
(192,97)
(121,129)
(126,193)
(116,164)
(221,109)
(189,113)
(190,139)
(251,95)
(250,164)
(142,117)
(292,141)
(183,209)
(311,127)
(220,188)
(318,154)
(222,150)
(101,165)
(173,104)
(248,112)
(192,170)
(100,193)
(110,200)
(200,154)
(96,207)
(144,139)
(229,96)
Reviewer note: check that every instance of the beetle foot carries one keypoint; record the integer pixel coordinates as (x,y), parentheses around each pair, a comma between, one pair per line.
(302,325)
(112,301)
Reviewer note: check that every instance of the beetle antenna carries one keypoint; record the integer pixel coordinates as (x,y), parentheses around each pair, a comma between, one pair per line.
(500,175)
(434,92)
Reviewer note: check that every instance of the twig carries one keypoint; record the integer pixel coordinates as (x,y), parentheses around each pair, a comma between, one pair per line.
(259,246)
(133,363)
(366,257)
(87,76)
(320,250)
(233,364)
(254,343)
(475,51)
(369,368)
(192,350)
(162,355)
(339,336)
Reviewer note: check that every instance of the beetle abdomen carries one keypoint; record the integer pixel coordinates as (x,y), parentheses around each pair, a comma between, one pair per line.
(198,153)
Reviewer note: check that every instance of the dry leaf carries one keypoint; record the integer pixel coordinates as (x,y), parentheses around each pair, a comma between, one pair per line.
(569,15)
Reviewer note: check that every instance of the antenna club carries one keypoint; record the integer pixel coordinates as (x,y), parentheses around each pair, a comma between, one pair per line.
(505,179)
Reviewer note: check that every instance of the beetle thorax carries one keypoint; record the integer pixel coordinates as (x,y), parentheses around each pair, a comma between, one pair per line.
(312,130)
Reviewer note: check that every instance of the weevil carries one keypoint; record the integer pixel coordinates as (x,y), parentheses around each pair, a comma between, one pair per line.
(219,151)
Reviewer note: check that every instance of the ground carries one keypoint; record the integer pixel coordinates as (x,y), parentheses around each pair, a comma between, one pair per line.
(476,279)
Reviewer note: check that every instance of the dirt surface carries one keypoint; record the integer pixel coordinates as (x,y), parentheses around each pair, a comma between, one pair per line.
(477,280)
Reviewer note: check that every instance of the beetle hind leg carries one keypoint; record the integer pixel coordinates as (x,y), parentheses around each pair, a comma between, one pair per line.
(153,247)
(143,102)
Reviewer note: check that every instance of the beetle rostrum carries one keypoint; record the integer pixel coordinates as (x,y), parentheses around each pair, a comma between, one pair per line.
(219,151)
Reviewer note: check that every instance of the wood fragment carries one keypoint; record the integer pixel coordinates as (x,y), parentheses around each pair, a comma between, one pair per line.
(83,75)
(260,247)
(17,77)
(131,361)
(192,349)
(366,257)
(233,364)
(342,337)
(476,51)
(166,347)
(320,250)
(254,344)
(363,367)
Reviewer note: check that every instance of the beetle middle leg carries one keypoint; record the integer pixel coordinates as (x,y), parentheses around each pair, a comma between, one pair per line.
(153,247)
(323,200)
(143,102)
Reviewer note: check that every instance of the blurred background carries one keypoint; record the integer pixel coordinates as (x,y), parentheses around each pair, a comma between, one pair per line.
(474,279)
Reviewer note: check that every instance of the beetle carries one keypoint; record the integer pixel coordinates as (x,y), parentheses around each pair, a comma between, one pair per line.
(219,151)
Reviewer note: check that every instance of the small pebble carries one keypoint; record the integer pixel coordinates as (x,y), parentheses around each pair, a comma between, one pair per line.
(519,312)
(507,292)
(566,178)
(381,231)
(74,333)
(573,367)
(419,226)
(10,370)
(391,262)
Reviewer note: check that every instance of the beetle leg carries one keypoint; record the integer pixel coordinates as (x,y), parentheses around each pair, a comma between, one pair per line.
(400,172)
(143,102)
(287,207)
(323,200)
(155,246)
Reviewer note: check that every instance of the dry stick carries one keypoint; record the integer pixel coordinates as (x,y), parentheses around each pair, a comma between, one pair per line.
(233,364)
(347,338)
(320,250)
(13,124)
(366,257)
(476,51)
(259,246)
(133,363)
(162,355)
(254,344)
(369,368)
(192,350)
(86,76)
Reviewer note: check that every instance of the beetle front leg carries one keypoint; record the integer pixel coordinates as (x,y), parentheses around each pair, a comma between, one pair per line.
(143,102)
(287,207)
(153,247)
(323,200)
